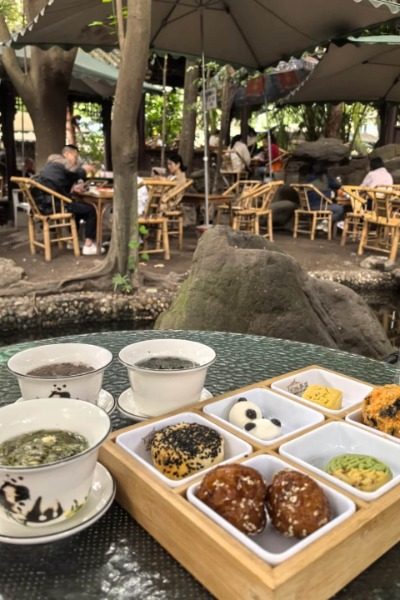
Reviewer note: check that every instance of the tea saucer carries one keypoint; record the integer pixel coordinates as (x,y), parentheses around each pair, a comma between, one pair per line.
(106,401)
(99,501)
(127,406)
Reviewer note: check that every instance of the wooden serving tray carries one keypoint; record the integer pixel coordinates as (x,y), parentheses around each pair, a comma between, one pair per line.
(226,567)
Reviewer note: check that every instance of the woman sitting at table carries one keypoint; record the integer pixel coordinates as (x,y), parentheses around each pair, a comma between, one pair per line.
(176,168)
(61,173)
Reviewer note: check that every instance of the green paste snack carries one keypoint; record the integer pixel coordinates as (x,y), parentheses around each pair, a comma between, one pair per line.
(363,472)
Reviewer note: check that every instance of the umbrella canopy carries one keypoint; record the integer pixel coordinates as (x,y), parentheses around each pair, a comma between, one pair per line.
(252,33)
(363,70)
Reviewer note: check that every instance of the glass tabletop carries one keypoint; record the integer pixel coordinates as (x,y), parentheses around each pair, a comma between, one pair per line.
(116,558)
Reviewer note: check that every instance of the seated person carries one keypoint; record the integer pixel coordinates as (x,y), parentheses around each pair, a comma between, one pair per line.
(262,171)
(378,175)
(320,179)
(239,155)
(61,173)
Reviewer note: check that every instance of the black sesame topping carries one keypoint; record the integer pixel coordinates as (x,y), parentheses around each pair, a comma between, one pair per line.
(276,422)
(249,426)
(251,413)
(391,410)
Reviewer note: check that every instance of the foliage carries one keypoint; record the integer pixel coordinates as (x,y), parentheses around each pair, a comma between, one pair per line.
(90,138)
(13,12)
(122,283)
(154,110)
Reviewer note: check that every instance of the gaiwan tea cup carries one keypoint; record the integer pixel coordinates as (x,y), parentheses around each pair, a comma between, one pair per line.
(166,374)
(61,371)
(40,494)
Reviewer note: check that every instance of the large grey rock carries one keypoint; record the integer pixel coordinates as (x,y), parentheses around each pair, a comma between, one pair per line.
(387,152)
(9,272)
(241,283)
(329,149)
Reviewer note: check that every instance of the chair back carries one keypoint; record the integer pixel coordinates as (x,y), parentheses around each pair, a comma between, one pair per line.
(358,197)
(259,197)
(303,190)
(27,184)
(241,187)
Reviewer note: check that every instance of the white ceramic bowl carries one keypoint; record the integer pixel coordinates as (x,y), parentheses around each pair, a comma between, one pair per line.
(294,417)
(86,386)
(134,442)
(355,418)
(158,392)
(315,449)
(270,545)
(353,391)
(36,496)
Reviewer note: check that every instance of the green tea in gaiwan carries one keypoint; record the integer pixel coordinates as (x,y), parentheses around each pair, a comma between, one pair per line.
(41,448)
(166,363)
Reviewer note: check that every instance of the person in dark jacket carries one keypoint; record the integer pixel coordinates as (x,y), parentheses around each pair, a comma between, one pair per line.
(61,173)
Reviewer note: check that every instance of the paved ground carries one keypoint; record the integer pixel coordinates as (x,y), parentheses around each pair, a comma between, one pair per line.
(313,256)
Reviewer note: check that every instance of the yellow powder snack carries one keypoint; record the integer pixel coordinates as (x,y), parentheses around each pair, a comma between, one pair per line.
(381,409)
(325,396)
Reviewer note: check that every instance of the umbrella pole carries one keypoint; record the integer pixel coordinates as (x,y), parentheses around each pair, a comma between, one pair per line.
(269,136)
(205,123)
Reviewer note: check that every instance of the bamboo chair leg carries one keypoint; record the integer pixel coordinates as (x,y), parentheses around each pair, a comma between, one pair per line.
(313,226)
(344,232)
(394,245)
(165,239)
(180,228)
(296,224)
(256,224)
(46,241)
(330,227)
(75,240)
(363,239)
(31,235)
(270,227)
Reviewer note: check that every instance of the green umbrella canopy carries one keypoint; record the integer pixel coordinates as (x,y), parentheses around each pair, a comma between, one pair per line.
(252,33)
(366,69)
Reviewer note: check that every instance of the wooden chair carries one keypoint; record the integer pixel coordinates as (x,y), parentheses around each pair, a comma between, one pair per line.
(233,194)
(58,227)
(164,217)
(306,219)
(254,205)
(171,201)
(354,220)
(381,228)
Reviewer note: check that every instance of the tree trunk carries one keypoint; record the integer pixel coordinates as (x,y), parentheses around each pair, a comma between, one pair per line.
(227,95)
(334,121)
(124,133)
(186,142)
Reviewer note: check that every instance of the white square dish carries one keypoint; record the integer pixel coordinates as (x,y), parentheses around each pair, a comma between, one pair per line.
(315,449)
(353,391)
(294,417)
(133,442)
(355,418)
(270,545)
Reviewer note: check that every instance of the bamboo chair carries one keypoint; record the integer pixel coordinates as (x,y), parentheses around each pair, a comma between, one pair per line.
(156,225)
(233,194)
(58,227)
(306,219)
(354,220)
(256,204)
(171,201)
(381,228)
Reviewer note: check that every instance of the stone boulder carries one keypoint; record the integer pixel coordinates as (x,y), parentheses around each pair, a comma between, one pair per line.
(329,149)
(242,283)
(9,272)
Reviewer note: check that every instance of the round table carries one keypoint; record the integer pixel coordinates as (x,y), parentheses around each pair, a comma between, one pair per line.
(116,558)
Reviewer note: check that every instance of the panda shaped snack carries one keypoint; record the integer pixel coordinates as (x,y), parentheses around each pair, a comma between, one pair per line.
(248,416)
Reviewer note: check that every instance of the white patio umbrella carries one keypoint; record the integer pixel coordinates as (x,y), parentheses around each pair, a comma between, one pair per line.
(251,33)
